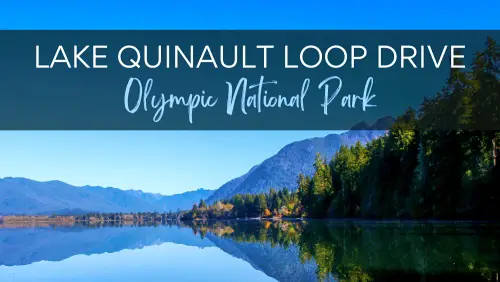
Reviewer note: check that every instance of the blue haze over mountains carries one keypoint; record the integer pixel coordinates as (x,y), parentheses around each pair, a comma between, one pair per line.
(25,196)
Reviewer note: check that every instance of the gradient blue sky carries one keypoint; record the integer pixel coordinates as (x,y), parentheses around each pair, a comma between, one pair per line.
(177,161)
(166,162)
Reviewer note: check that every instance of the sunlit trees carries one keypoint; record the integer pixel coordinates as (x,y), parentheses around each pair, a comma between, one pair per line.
(433,162)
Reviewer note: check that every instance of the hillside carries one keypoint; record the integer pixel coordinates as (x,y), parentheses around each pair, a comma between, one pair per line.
(282,169)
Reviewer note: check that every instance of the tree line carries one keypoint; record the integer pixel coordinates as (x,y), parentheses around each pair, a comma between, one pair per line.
(136,217)
(420,169)
(276,203)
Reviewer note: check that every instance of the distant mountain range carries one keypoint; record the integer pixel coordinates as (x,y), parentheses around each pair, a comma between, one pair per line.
(282,169)
(25,196)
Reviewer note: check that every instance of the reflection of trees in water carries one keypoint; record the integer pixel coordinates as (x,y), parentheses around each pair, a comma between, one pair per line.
(378,252)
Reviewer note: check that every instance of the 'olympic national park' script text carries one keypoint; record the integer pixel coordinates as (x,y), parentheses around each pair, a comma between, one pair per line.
(244,96)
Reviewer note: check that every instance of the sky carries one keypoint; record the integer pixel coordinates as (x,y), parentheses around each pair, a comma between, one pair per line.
(170,162)
(254,14)
(166,162)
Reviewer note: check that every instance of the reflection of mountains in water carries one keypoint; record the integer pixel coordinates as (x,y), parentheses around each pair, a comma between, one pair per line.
(275,261)
(289,251)
(21,246)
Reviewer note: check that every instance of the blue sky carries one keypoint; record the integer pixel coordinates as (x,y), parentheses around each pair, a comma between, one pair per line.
(166,162)
(254,14)
(177,161)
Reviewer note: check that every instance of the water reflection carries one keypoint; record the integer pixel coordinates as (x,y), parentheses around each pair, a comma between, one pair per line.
(21,245)
(285,251)
(379,251)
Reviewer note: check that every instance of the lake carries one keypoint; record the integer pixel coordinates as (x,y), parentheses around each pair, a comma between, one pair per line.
(252,251)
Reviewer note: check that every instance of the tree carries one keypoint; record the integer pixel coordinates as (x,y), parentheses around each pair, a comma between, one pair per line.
(260,204)
(202,204)
(321,188)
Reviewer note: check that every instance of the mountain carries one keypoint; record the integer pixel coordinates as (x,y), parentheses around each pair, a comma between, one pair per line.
(383,123)
(230,186)
(25,196)
(187,199)
(282,169)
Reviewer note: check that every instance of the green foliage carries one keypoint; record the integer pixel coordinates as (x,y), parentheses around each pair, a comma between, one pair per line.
(419,169)
(273,204)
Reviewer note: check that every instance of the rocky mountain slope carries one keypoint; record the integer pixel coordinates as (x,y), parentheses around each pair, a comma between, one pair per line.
(282,169)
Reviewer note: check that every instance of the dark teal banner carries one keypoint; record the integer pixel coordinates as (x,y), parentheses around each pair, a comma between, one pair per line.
(225,80)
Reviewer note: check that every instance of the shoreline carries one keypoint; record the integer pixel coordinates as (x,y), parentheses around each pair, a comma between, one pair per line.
(14,221)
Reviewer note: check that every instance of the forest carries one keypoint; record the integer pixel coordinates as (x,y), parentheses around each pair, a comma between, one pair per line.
(439,161)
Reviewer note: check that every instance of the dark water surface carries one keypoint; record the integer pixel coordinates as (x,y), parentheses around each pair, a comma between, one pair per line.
(253,251)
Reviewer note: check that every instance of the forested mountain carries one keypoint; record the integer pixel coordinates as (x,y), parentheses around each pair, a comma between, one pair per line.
(281,170)
(440,161)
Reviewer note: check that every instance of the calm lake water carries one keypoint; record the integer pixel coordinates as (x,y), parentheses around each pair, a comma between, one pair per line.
(253,251)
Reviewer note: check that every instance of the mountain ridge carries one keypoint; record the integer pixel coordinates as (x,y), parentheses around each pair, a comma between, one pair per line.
(140,191)
(19,195)
(281,169)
